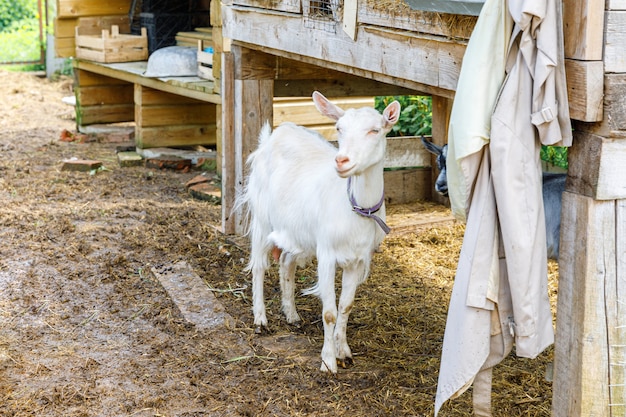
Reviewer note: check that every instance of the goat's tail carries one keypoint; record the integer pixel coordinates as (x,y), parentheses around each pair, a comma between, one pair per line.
(266,132)
(242,194)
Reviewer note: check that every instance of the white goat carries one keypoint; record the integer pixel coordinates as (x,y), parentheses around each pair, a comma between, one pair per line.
(305,198)
(552,191)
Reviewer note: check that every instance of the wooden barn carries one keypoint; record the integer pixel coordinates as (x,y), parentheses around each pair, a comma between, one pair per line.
(266,51)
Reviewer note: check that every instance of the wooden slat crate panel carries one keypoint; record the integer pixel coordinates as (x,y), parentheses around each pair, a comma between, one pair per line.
(112,47)
(65,30)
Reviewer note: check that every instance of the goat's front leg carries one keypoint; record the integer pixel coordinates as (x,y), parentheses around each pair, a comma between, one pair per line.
(352,276)
(287,273)
(326,292)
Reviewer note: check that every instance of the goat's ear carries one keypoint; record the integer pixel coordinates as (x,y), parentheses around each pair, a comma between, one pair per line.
(392,113)
(431,147)
(325,107)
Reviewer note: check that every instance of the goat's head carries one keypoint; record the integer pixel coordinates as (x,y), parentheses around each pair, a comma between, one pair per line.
(441,184)
(360,133)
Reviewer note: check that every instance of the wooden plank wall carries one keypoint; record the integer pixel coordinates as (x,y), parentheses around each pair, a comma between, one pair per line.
(164,119)
(102,99)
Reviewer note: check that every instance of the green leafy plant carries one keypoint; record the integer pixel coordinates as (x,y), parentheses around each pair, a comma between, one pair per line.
(416,116)
(14,11)
(555,155)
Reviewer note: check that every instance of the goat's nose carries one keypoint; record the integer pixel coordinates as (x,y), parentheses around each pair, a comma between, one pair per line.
(341,160)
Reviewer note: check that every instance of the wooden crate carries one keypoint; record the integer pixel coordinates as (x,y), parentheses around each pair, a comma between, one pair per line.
(65,30)
(205,62)
(112,47)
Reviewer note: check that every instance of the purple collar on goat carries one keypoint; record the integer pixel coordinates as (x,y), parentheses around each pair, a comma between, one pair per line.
(368,212)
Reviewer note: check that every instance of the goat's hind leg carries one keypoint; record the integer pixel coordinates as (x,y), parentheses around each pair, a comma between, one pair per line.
(287,273)
(259,263)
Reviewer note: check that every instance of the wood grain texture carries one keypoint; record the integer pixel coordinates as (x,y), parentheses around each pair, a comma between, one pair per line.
(583,29)
(78,8)
(615,42)
(379,54)
(597,167)
(585,89)
(581,354)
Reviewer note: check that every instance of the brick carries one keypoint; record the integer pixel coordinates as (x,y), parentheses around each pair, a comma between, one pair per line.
(177,164)
(129,159)
(207,192)
(80,165)
(198,179)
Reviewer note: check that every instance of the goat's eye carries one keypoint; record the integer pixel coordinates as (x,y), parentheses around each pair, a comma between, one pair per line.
(338,129)
(375,131)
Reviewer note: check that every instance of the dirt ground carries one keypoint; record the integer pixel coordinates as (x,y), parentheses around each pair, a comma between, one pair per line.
(87,329)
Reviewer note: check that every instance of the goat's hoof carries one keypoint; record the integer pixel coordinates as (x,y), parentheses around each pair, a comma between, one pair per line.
(261,329)
(296,324)
(345,362)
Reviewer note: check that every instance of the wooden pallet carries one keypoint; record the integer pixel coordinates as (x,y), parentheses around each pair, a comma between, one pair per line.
(112,47)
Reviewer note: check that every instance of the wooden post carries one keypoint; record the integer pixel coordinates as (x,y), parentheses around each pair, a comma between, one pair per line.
(442,108)
(247,105)
(590,346)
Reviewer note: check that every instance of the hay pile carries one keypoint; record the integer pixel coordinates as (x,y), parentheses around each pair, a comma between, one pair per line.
(396,333)
(454,26)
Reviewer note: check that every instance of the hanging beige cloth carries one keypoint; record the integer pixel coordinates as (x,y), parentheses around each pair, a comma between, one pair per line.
(500,295)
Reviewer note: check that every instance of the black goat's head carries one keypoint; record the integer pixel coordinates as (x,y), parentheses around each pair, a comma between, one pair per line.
(441,185)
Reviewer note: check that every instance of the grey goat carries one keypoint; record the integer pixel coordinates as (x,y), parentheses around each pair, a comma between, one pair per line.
(552,188)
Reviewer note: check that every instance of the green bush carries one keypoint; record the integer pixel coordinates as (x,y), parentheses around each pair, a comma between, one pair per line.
(555,155)
(14,11)
(21,45)
(416,114)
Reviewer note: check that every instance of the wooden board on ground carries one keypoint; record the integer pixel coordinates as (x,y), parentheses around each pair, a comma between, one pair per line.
(192,296)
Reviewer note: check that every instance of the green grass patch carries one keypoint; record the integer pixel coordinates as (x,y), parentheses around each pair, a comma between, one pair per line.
(20,42)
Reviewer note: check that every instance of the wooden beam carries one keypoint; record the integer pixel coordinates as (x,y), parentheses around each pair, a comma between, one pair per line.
(583,29)
(349,20)
(597,167)
(226,153)
(105,94)
(615,42)
(616,4)
(293,6)
(102,114)
(185,89)
(613,124)
(175,135)
(587,312)
(585,89)
(303,111)
(78,8)
(442,108)
(380,54)
(345,86)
